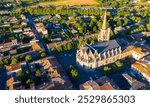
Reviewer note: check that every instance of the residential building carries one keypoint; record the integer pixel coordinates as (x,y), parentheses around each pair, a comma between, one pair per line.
(142,67)
(138,53)
(134,83)
(57,74)
(89,85)
(13,68)
(41,28)
(106,86)
(14,84)
(106,83)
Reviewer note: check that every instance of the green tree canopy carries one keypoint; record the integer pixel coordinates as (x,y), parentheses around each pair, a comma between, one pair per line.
(29,81)
(38,73)
(28,58)
(20,74)
(73,72)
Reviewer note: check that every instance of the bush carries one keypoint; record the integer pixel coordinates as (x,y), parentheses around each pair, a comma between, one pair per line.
(119,64)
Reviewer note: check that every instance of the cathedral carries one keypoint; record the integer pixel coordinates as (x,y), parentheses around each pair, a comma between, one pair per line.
(104,52)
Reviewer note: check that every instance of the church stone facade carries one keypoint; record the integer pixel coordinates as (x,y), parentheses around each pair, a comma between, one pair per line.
(104,52)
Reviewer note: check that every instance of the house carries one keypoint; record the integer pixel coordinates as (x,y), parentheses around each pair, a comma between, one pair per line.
(8,44)
(106,86)
(5,24)
(138,53)
(142,67)
(119,28)
(146,34)
(12,20)
(41,28)
(13,68)
(134,83)
(28,32)
(58,16)
(89,85)
(14,84)
(13,51)
(17,30)
(24,23)
(135,1)
(37,46)
(56,74)
(107,83)
(46,86)
(127,51)
(23,17)
(74,31)
(56,40)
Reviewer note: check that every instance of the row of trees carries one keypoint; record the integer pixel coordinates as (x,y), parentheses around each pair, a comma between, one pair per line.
(48,11)
(17,59)
(69,46)
(138,29)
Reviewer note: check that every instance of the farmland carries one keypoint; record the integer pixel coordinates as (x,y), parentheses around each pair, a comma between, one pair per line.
(69,2)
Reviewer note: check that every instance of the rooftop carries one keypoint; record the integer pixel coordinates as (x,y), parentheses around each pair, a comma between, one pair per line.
(89,85)
(135,84)
(102,46)
(143,67)
(106,86)
(10,68)
(138,50)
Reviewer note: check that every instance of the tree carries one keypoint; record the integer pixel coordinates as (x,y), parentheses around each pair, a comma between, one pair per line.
(119,64)
(73,73)
(6,61)
(29,81)
(119,23)
(43,54)
(14,60)
(95,29)
(107,69)
(28,58)
(69,46)
(38,73)
(148,26)
(20,74)
(28,72)
(1,63)
(59,48)
(21,36)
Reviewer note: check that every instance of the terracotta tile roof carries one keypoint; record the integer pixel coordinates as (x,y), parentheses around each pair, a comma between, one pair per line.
(106,86)
(37,46)
(143,68)
(129,48)
(13,67)
(10,81)
(52,45)
(138,50)
(90,85)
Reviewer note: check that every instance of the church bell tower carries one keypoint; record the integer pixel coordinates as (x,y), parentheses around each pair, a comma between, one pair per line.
(104,34)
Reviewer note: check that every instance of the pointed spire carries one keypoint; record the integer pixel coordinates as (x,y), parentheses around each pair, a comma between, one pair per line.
(104,26)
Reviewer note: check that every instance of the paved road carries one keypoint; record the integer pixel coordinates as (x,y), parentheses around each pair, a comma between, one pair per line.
(3,78)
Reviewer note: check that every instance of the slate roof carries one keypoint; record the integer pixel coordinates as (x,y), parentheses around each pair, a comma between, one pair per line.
(105,46)
(101,47)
